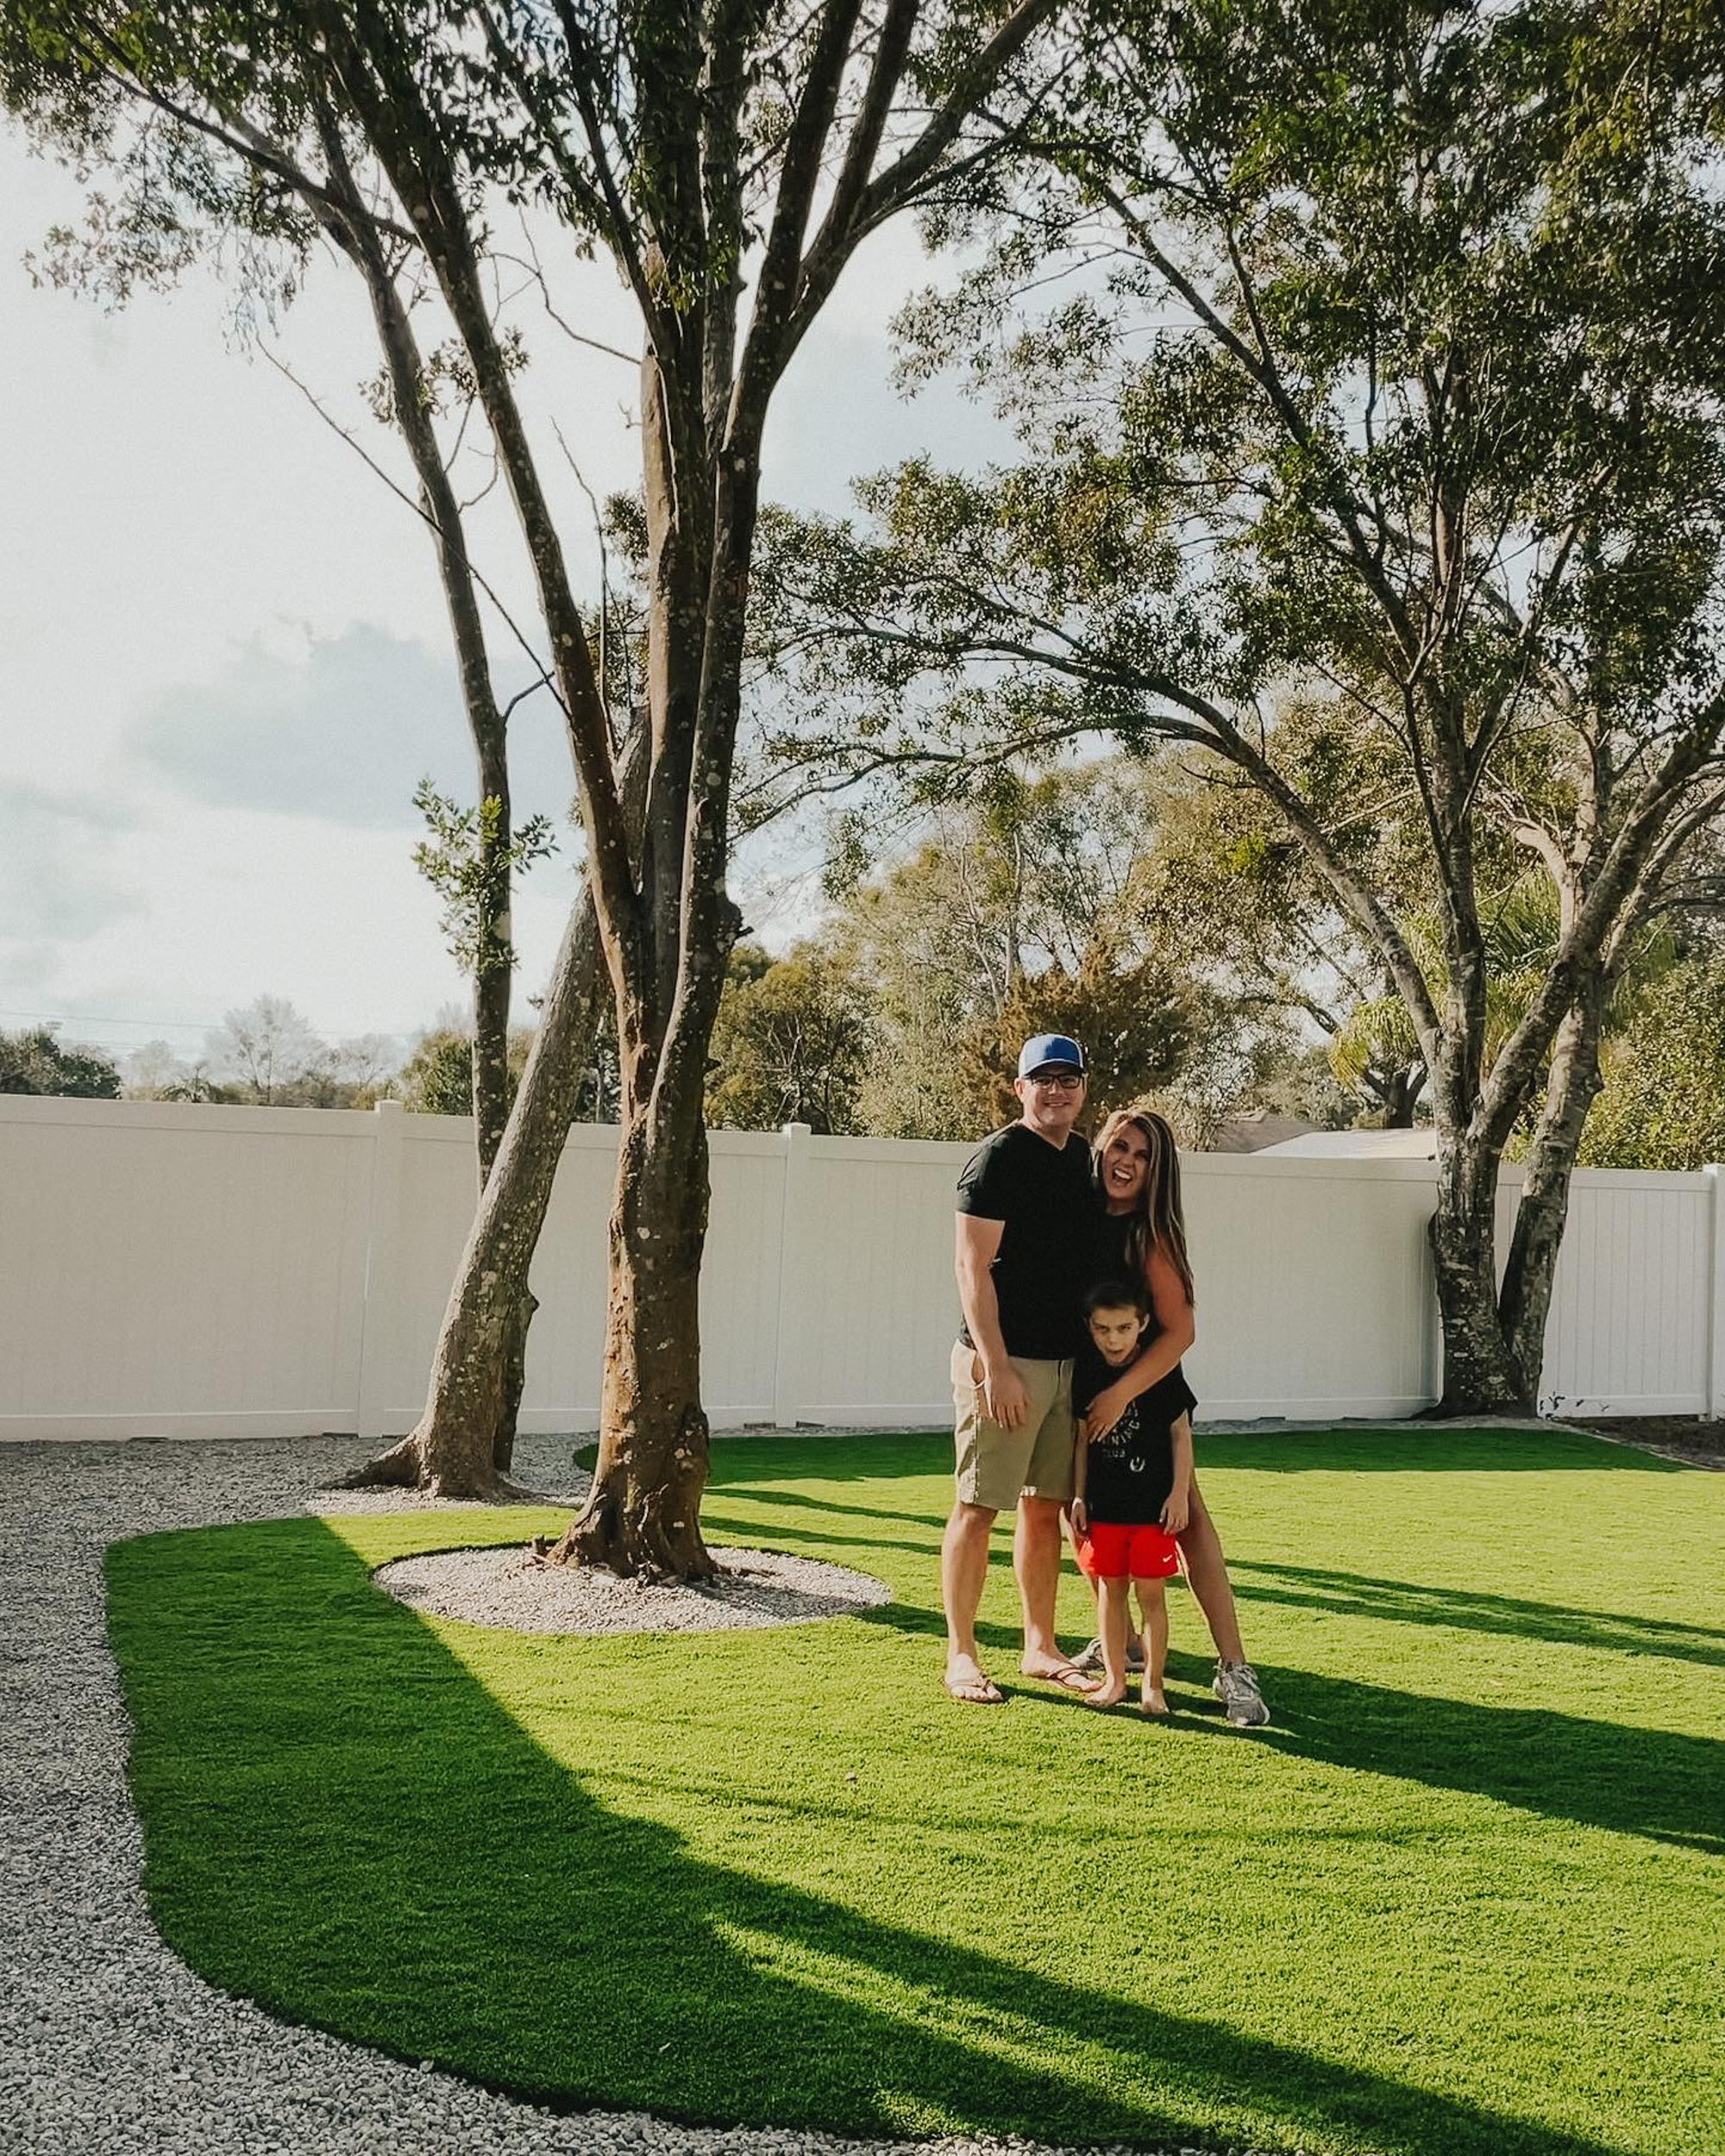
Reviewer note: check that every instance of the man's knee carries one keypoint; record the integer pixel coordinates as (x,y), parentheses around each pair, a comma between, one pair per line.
(969,1523)
(1040,1517)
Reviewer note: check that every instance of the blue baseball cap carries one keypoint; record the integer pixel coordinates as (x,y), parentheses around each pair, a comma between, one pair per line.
(1049,1051)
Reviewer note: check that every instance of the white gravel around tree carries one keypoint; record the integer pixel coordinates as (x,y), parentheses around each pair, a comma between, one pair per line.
(108,2044)
(508,1588)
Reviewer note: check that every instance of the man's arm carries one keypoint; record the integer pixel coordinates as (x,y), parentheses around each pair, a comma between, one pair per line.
(1004,1397)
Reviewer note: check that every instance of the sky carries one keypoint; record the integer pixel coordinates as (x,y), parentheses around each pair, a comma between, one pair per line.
(224,664)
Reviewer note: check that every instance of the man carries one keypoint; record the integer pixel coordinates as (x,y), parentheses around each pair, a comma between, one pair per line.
(1027,1214)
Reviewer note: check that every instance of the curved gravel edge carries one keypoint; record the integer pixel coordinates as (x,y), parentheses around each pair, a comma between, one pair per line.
(109,2042)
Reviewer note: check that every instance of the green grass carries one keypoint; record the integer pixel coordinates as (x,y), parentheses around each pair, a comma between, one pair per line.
(1464,1897)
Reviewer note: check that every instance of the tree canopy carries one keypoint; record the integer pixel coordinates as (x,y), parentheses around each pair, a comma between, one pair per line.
(37,1060)
(1372,444)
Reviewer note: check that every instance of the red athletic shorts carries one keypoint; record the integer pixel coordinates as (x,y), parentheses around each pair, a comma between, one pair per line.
(1114,1551)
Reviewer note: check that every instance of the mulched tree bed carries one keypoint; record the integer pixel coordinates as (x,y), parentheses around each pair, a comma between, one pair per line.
(1694,1439)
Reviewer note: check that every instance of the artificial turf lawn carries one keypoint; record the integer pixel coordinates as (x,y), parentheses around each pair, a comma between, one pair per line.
(1464,1896)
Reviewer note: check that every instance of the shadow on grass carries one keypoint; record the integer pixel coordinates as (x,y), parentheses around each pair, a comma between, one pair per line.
(343,1823)
(1423,1447)
(1404,1601)
(1657,1785)
(774,1494)
(721,1531)
(1651,1782)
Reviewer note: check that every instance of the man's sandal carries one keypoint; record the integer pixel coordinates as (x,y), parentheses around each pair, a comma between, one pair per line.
(973,1691)
(1068,1676)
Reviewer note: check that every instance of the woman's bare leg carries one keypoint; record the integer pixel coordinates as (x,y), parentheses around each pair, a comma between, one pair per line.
(1207,1575)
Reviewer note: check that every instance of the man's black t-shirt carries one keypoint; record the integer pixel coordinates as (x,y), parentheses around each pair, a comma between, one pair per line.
(1129,1471)
(1049,1207)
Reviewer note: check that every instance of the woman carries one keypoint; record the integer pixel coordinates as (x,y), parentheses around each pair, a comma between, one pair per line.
(1143,1237)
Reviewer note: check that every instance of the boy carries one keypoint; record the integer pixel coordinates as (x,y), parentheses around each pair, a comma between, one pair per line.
(1131,1490)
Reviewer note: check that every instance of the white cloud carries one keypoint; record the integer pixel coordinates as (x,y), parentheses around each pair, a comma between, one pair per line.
(342,727)
(56,878)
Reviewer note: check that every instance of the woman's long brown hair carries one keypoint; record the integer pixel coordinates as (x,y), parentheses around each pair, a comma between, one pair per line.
(1159,1220)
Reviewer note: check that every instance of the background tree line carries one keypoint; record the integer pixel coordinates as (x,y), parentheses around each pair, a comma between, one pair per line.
(1153,909)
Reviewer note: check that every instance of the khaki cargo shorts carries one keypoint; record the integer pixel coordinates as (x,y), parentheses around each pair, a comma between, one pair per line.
(994,1465)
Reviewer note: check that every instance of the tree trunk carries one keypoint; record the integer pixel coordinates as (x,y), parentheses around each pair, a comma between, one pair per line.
(354,231)
(1539,1218)
(1399,1092)
(463,1443)
(642,1516)
(476,1372)
(514,1384)
(1481,1375)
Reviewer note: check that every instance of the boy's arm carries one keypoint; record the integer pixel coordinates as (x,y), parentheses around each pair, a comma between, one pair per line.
(1178,1509)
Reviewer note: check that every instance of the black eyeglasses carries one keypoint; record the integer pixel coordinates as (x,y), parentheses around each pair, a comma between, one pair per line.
(1058,1081)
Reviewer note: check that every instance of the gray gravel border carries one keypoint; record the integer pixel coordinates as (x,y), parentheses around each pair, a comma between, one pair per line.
(108,2043)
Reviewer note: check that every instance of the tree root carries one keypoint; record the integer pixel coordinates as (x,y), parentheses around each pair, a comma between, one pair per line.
(401,1468)
(635,1547)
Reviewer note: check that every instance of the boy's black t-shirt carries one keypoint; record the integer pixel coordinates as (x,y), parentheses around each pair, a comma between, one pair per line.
(1047,1204)
(1130,1468)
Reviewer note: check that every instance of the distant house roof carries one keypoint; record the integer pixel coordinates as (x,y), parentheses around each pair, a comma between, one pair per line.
(1419,1143)
(1255,1131)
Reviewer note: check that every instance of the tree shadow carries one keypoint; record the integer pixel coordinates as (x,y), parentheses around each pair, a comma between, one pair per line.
(721,1529)
(1405,1601)
(1423,1448)
(1653,1784)
(445,1889)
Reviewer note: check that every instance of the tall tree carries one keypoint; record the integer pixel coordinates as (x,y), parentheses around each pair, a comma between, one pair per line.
(202,147)
(1662,1100)
(729,159)
(1020,908)
(1396,381)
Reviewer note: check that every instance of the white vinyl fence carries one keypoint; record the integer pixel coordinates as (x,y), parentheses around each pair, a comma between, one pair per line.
(171,1270)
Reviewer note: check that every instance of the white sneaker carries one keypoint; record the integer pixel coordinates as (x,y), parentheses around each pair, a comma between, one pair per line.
(1089,1656)
(1236,1686)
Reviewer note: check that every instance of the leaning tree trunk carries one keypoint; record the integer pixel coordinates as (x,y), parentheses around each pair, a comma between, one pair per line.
(493,979)
(344,215)
(476,1372)
(514,1383)
(1571,1086)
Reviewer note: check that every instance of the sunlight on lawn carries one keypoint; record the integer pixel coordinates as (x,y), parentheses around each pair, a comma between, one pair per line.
(775,1876)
